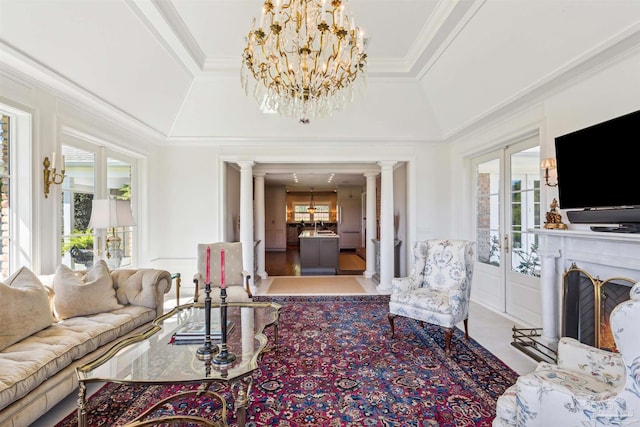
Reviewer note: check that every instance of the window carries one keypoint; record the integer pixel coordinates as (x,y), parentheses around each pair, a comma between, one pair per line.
(301,213)
(119,187)
(322,213)
(78,191)
(83,184)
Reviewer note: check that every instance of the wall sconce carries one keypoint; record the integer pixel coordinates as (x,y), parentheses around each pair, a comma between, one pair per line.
(50,175)
(546,164)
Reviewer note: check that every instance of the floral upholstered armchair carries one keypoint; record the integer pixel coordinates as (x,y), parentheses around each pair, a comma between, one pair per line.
(438,289)
(587,387)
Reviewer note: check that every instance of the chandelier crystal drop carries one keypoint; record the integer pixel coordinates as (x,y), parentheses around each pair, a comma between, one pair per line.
(305,57)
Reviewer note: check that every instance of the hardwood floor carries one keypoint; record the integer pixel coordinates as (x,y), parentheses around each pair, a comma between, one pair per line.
(287,263)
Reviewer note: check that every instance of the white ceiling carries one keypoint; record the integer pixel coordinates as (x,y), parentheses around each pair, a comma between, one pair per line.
(437,68)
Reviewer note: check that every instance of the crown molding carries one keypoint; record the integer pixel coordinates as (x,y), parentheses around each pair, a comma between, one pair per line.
(181,31)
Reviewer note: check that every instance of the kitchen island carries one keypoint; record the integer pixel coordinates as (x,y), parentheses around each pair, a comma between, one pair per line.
(319,252)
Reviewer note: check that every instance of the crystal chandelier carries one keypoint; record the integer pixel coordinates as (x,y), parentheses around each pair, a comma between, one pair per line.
(304,56)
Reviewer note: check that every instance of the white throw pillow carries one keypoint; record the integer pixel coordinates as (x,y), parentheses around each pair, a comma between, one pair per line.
(80,295)
(25,307)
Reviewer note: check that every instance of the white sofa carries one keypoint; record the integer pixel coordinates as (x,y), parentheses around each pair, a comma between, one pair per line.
(38,370)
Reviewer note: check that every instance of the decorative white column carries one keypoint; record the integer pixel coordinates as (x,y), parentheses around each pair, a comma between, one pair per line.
(370,224)
(386,225)
(549,293)
(259,223)
(246,217)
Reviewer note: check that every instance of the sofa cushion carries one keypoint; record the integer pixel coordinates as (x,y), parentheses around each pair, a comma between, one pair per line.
(25,307)
(89,293)
(28,363)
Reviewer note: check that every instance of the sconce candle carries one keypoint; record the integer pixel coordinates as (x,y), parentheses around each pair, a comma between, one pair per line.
(207,279)
(222,285)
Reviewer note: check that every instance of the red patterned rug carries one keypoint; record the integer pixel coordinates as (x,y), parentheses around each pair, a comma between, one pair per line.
(337,366)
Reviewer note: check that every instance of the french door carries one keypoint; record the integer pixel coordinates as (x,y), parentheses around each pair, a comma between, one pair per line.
(507,202)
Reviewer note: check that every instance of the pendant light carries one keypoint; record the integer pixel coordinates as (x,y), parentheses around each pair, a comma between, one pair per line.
(312,207)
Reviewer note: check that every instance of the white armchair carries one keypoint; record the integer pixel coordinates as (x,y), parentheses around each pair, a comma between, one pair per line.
(438,289)
(587,387)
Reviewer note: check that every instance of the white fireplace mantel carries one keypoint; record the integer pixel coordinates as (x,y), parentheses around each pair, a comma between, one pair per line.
(602,254)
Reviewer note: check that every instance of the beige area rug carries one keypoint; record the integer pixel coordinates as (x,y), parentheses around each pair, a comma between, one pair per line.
(315,284)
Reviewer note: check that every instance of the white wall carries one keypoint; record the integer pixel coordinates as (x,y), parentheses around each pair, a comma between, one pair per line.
(191,203)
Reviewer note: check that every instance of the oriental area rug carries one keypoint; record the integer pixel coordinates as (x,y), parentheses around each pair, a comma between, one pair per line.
(338,366)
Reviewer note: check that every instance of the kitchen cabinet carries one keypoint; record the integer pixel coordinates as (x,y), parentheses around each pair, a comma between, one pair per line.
(350,217)
(275,223)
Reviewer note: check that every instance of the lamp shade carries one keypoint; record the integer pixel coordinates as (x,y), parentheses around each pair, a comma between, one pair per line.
(108,213)
(548,163)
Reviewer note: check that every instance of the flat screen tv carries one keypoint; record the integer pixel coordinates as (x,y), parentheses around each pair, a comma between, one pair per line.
(599,166)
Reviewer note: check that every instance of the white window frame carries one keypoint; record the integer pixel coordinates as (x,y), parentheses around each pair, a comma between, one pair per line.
(103,150)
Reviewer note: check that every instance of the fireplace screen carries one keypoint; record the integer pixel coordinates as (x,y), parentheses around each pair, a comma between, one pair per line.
(587,304)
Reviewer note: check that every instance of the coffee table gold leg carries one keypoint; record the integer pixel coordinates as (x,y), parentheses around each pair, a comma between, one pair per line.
(241,390)
(82,404)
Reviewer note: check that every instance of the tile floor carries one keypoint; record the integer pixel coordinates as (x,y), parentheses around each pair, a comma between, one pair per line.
(490,329)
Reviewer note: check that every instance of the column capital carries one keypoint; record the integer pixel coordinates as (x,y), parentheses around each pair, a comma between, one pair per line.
(370,175)
(387,164)
(259,174)
(245,164)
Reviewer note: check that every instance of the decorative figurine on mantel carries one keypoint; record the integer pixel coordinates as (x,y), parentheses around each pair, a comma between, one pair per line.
(553,217)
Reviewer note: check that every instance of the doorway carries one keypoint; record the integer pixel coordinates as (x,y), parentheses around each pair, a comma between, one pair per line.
(287,263)
(507,205)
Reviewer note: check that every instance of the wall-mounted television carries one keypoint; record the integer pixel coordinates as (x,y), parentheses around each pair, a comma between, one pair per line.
(599,169)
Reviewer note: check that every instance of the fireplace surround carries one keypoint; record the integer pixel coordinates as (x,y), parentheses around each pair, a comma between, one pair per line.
(609,255)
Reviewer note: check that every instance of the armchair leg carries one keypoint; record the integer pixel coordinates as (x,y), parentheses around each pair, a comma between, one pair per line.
(448,332)
(466,329)
(391,316)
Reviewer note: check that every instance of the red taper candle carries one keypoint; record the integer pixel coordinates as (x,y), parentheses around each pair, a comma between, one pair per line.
(208,278)
(222,269)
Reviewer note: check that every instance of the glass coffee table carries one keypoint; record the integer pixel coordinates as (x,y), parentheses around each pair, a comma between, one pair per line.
(155,357)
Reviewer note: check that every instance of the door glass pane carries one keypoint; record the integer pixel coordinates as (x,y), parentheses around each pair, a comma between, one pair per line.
(77,194)
(119,187)
(525,211)
(488,219)
(4,198)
